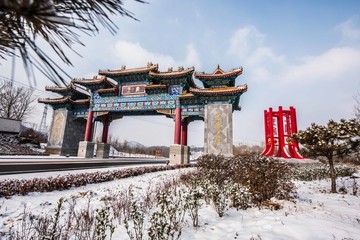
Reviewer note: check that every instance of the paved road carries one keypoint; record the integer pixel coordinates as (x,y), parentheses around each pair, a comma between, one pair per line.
(17,165)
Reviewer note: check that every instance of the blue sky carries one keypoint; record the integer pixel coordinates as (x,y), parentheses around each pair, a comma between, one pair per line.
(304,54)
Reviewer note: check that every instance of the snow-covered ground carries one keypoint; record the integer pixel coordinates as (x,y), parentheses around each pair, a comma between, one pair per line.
(316,214)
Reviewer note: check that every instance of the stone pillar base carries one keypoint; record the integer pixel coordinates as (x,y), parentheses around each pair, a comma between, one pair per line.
(103,150)
(53,150)
(86,149)
(186,156)
(179,154)
(62,151)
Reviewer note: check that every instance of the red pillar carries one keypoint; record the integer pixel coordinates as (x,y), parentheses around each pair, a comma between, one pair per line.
(271,135)
(293,120)
(280,132)
(266,123)
(105,132)
(177,135)
(89,125)
(184,131)
(294,130)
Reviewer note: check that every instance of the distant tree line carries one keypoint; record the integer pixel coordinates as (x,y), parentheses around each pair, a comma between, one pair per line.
(124,146)
(243,149)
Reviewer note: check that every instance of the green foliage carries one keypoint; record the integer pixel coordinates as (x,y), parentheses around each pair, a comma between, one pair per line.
(103,224)
(166,222)
(193,198)
(334,139)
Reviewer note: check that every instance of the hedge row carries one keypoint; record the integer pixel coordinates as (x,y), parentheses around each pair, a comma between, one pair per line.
(318,171)
(10,187)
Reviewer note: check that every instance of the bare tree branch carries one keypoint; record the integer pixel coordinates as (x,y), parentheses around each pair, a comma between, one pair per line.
(15,102)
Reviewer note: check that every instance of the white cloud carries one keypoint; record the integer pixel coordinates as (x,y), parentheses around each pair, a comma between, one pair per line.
(245,41)
(247,46)
(192,57)
(350,34)
(134,55)
(334,64)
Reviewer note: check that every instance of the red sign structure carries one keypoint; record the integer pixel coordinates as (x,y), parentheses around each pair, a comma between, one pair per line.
(279,128)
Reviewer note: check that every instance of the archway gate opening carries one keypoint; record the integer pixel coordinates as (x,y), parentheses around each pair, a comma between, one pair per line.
(145,91)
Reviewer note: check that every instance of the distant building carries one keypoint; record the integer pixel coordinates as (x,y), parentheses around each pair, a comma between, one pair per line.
(8,125)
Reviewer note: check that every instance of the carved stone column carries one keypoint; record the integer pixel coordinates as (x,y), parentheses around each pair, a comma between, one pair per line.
(65,133)
(218,132)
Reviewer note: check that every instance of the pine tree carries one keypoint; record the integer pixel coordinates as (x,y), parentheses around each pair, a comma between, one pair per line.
(336,139)
(58,23)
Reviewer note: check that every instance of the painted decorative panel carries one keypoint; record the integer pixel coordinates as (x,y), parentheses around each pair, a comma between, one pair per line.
(133,89)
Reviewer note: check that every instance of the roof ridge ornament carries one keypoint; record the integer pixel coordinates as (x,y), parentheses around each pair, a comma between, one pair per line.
(218,70)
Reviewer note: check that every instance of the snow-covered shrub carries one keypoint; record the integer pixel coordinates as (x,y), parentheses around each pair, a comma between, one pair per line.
(134,218)
(219,198)
(217,176)
(260,177)
(43,226)
(167,221)
(118,201)
(215,168)
(344,170)
(192,198)
(239,195)
(264,177)
(355,187)
(103,225)
(317,171)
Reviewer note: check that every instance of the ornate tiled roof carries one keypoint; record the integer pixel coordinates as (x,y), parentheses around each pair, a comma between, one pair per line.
(124,71)
(219,91)
(186,95)
(63,100)
(170,73)
(107,90)
(94,81)
(54,100)
(69,88)
(81,101)
(155,86)
(219,73)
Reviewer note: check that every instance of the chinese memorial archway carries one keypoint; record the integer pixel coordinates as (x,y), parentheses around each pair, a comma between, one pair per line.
(115,94)
(279,128)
